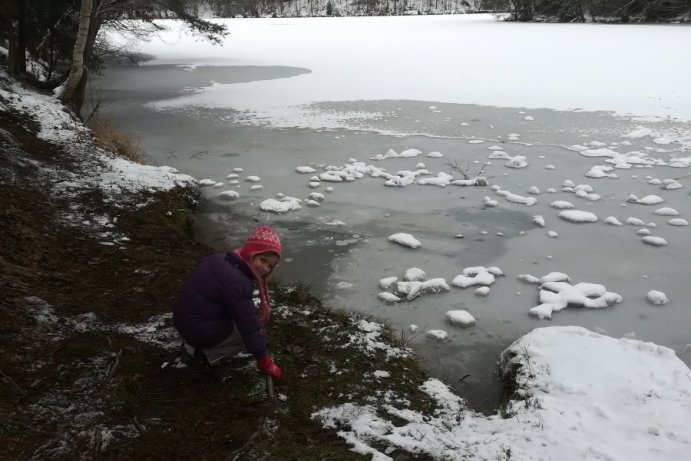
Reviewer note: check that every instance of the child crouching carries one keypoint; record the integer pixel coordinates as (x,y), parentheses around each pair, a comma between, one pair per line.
(215,312)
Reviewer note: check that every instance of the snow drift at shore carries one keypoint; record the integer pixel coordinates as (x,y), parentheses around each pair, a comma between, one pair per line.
(579,395)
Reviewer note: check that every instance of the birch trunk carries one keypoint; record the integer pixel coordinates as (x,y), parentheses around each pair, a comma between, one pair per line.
(70,91)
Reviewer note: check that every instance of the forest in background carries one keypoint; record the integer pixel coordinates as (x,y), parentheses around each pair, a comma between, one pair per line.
(56,43)
(518,10)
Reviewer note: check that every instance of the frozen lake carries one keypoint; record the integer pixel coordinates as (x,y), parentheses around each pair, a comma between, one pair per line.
(341,247)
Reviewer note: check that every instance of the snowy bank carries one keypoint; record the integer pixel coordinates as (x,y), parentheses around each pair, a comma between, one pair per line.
(97,168)
(577,395)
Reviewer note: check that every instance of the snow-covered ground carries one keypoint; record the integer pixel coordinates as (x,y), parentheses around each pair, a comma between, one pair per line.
(93,168)
(582,396)
(574,209)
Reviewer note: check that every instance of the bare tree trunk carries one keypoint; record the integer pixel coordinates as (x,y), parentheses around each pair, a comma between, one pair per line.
(70,93)
(16,59)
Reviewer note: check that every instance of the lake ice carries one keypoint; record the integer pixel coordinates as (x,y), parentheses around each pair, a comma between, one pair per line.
(600,197)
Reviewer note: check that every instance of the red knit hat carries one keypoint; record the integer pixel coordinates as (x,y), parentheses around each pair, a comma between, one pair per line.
(260,240)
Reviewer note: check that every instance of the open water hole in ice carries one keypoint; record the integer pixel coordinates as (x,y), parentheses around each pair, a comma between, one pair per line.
(344,262)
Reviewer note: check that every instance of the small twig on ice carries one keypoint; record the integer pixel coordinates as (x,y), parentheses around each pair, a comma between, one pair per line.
(465,172)
(453,165)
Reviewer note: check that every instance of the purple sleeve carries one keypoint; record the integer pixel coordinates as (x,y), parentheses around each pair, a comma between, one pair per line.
(238,299)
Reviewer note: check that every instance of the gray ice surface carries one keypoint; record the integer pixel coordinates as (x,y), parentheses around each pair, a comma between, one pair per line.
(210,143)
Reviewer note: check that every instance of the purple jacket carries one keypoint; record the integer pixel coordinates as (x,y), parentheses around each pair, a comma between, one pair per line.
(217,297)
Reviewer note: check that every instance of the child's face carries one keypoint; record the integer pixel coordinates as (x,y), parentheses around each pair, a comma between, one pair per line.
(264,263)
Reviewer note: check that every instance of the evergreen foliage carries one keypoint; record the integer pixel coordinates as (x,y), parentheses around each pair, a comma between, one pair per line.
(624,11)
(40,35)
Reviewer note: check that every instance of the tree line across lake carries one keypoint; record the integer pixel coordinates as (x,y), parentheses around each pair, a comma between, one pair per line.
(57,42)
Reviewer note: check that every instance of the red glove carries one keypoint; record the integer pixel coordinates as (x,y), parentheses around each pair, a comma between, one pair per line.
(269,368)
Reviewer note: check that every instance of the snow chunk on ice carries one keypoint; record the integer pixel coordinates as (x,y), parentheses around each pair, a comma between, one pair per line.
(539,220)
(499,155)
(435,154)
(404,239)
(387,282)
(460,318)
(528,278)
(654,241)
(305,170)
(647,200)
(613,221)
(601,171)
(408,153)
(229,195)
(555,296)
(678,222)
(518,161)
(482,291)
(551,277)
(284,205)
(391,154)
(442,180)
(253,178)
(415,274)
(388,297)
(635,221)
(414,289)
(657,297)
(476,276)
(561,205)
(671,184)
(666,211)
(578,216)
(515,198)
(479,181)
(437,334)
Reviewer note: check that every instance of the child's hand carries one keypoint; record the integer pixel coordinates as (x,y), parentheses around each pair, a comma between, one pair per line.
(269,368)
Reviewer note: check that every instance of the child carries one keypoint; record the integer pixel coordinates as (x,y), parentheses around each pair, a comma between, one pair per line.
(215,313)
